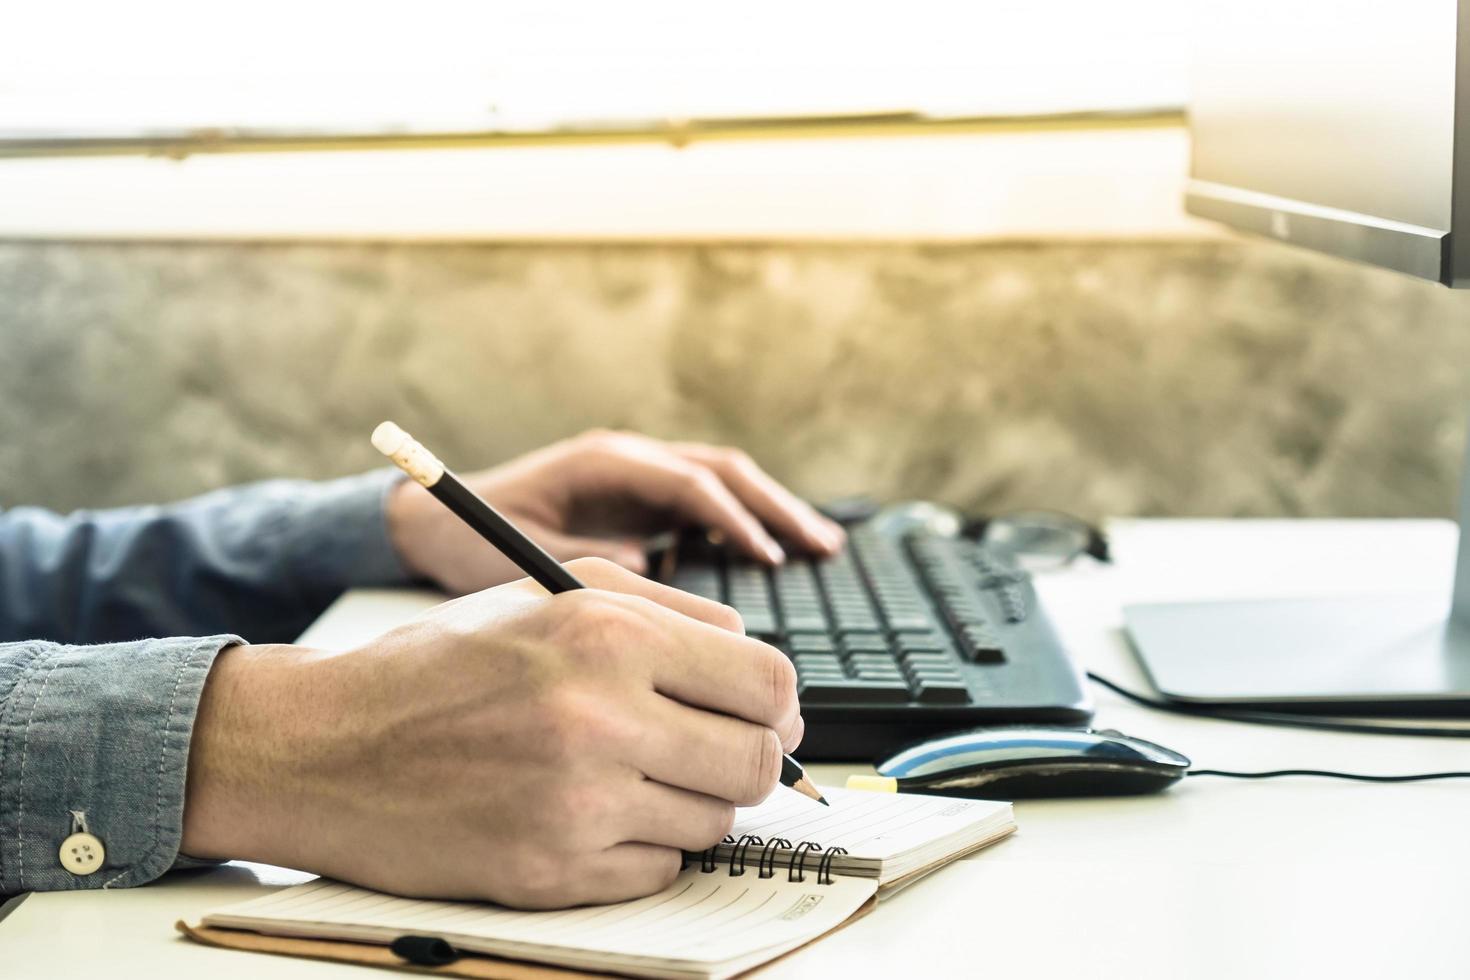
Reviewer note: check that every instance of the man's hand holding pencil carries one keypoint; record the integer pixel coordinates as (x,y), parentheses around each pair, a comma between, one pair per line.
(507,746)
(531,750)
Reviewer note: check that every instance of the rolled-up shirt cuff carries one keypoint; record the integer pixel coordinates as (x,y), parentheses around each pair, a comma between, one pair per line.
(339,534)
(95,740)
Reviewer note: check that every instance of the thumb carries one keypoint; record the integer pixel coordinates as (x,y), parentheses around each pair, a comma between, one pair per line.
(627,552)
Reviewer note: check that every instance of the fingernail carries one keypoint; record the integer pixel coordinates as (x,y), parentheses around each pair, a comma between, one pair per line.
(774,553)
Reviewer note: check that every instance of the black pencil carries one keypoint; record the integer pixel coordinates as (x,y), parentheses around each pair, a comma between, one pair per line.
(426,469)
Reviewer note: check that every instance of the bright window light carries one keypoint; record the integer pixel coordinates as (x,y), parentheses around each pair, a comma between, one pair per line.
(154,67)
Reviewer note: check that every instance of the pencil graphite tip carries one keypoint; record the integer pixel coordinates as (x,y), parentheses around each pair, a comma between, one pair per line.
(807,788)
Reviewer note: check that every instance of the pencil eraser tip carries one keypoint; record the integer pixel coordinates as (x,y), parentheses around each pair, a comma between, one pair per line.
(388,438)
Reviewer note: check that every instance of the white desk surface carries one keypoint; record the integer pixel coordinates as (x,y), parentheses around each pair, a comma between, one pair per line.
(1215,878)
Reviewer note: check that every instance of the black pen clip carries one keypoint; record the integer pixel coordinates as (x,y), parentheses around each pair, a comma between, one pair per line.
(424,950)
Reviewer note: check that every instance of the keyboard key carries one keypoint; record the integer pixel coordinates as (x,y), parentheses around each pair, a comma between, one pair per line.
(928,662)
(818,677)
(807,623)
(854,691)
(1013,604)
(890,675)
(871,660)
(946,659)
(910,624)
(876,653)
(941,692)
(931,676)
(758,622)
(983,648)
(922,642)
(706,585)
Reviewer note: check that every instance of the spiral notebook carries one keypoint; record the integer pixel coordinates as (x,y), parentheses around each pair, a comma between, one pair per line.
(789,873)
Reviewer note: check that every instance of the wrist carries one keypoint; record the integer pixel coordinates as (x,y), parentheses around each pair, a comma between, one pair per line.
(247,787)
(409,513)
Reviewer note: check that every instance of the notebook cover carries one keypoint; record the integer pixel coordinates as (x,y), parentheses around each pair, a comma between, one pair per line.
(472,965)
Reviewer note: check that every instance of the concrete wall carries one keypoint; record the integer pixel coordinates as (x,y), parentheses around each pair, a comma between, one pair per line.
(1209,377)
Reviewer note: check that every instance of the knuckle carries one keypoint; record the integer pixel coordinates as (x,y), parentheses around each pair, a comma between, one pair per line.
(667,865)
(595,569)
(780,679)
(599,625)
(728,618)
(762,768)
(606,442)
(579,620)
(698,481)
(598,438)
(722,821)
(738,459)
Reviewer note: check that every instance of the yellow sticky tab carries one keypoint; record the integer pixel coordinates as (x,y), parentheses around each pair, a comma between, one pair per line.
(873,784)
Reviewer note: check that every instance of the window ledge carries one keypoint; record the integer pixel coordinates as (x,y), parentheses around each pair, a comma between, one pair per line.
(1084,183)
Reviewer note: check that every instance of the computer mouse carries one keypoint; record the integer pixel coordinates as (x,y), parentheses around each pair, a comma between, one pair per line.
(1033,762)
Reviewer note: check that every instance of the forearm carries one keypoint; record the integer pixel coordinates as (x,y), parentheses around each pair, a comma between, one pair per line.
(96,736)
(260,560)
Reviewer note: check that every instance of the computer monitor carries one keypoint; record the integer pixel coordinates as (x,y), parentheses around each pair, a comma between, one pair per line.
(1342,126)
(1332,124)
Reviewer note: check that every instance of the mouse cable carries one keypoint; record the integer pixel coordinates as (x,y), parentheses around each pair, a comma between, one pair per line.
(1282,718)
(1296,721)
(1329,774)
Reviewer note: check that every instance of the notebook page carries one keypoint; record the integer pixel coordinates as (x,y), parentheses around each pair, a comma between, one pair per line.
(874,826)
(704,924)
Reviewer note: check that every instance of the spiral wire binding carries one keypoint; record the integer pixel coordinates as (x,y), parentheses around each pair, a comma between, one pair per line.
(706,857)
(737,856)
(796,867)
(824,869)
(767,863)
(766,860)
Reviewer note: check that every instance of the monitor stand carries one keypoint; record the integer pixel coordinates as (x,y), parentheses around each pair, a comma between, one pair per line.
(1390,655)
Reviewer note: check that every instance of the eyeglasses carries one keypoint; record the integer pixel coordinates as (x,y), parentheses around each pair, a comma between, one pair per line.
(1040,540)
(1034,540)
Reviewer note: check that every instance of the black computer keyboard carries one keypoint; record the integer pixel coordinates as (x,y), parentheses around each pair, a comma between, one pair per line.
(896,639)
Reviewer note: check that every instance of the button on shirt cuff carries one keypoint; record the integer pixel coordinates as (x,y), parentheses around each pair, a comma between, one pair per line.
(95,740)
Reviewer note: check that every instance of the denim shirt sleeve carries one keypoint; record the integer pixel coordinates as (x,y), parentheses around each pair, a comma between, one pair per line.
(100,731)
(95,720)
(261,561)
